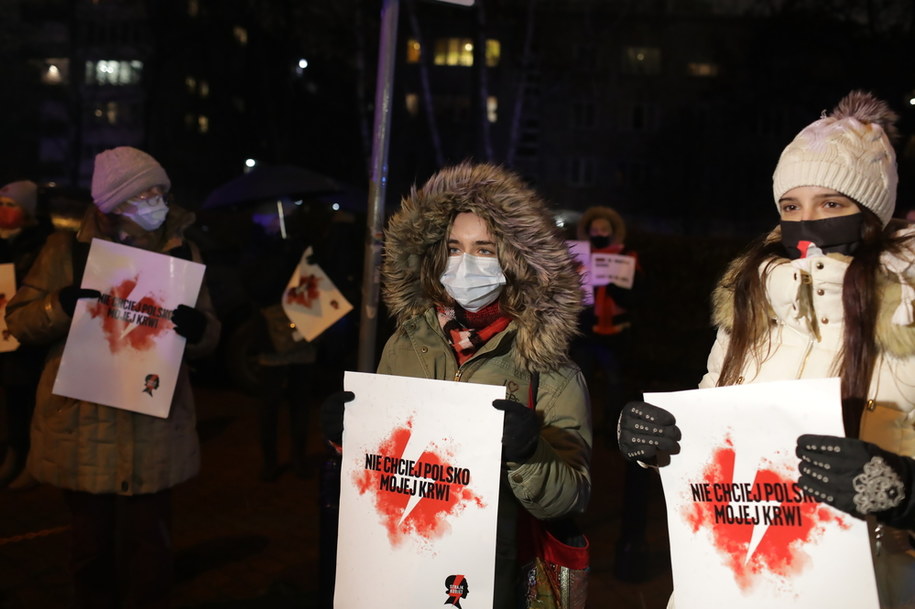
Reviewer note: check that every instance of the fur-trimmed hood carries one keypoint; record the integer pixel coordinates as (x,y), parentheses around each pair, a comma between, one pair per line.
(617,225)
(543,293)
(892,337)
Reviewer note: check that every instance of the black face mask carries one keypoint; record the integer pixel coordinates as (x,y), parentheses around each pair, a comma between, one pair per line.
(832,235)
(600,242)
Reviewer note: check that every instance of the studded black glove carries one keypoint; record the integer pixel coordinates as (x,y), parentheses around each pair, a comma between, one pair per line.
(70,294)
(332,415)
(520,430)
(858,477)
(189,323)
(644,430)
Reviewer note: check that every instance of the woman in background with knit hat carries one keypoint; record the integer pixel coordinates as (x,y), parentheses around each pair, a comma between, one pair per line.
(22,233)
(116,467)
(829,291)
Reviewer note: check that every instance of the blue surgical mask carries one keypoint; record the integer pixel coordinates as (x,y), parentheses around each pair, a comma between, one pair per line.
(473,281)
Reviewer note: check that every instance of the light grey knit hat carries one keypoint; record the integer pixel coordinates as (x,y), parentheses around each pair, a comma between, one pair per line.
(122,173)
(850,151)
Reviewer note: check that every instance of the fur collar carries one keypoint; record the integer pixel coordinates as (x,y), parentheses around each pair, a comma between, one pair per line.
(893,339)
(543,284)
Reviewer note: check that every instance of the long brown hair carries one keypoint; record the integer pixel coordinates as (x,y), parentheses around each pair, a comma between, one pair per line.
(751,329)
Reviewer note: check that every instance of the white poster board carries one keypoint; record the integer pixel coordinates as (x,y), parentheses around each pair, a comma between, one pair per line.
(617,269)
(599,268)
(419,490)
(8,342)
(742,534)
(311,300)
(122,349)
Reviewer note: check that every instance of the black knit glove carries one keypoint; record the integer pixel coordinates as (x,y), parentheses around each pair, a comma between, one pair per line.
(520,430)
(332,415)
(189,323)
(858,478)
(70,294)
(644,430)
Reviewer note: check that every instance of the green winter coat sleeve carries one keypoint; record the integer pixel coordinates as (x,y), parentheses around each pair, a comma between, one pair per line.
(556,480)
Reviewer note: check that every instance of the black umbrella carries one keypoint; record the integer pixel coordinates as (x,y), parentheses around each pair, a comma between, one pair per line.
(270,182)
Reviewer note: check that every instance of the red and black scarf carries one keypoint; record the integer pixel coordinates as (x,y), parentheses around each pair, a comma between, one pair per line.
(468,331)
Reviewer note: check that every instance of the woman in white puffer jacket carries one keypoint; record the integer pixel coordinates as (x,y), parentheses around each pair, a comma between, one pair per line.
(829,292)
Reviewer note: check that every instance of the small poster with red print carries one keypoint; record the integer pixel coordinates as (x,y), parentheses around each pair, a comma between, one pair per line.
(742,532)
(419,493)
(8,342)
(122,349)
(311,301)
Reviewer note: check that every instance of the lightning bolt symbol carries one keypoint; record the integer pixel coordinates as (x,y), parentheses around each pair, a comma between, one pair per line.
(129,327)
(412,452)
(745,470)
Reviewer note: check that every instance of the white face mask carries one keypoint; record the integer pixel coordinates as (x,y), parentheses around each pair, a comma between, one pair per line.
(149,213)
(473,281)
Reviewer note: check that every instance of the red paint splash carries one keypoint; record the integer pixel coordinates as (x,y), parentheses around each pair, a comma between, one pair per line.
(429,518)
(781,550)
(305,293)
(121,333)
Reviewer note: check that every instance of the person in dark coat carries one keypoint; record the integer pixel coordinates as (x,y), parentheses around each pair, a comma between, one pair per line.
(22,233)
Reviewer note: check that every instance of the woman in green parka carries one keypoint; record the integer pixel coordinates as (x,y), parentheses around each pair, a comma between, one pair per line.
(484,290)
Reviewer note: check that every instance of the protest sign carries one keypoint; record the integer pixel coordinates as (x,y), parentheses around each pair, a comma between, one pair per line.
(311,300)
(601,268)
(742,533)
(617,269)
(8,342)
(122,349)
(419,493)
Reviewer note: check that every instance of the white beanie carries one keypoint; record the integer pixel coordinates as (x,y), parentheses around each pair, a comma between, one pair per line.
(122,173)
(848,151)
(24,193)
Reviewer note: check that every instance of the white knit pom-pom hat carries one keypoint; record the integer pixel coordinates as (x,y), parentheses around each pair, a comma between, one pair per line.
(849,151)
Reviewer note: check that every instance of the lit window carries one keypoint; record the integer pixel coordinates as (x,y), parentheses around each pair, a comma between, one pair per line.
(203,124)
(56,71)
(414,52)
(113,72)
(702,69)
(193,8)
(204,88)
(191,84)
(459,52)
(241,35)
(492,108)
(107,113)
(493,53)
(452,52)
(411,101)
(641,60)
